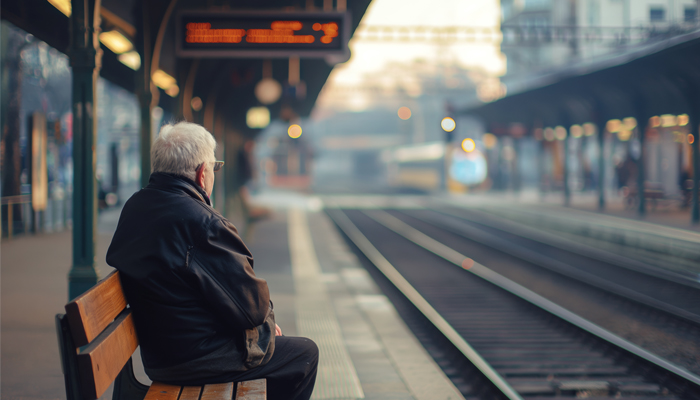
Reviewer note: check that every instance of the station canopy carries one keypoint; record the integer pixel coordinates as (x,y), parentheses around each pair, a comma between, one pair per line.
(216,50)
(660,77)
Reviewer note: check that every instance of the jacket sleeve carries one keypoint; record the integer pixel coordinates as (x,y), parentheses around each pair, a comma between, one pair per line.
(222,269)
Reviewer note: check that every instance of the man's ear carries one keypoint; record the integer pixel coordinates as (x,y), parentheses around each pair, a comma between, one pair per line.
(201,171)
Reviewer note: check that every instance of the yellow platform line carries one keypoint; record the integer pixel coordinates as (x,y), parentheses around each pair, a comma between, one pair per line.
(316,319)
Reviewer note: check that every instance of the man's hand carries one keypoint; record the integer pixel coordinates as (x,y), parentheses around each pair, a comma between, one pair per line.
(278,331)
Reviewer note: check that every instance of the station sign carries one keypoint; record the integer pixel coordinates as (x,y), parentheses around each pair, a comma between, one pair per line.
(262,34)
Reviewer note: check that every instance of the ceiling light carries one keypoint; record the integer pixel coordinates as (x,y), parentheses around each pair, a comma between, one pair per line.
(164,81)
(131,59)
(172,91)
(258,117)
(63,6)
(116,42)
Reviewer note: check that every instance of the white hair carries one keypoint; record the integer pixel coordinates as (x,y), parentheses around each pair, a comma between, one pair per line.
(182,147)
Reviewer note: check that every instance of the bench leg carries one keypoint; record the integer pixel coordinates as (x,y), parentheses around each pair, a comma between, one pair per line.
(69,362)
(127,387)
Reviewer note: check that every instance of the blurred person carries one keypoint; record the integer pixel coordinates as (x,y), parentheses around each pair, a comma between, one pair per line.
(201,314)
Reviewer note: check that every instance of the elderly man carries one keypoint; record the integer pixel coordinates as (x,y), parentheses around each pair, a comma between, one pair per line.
(201,314)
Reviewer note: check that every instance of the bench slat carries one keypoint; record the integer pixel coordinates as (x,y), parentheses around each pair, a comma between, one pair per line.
(91,312)
(190,393)
(104,358)
(252,390)
(162,391)
(218,391)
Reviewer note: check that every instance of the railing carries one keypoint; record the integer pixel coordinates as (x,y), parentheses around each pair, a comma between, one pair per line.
(10,201)
(55,218)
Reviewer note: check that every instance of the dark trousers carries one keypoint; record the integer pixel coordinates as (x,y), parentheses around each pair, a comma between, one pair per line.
(290,373)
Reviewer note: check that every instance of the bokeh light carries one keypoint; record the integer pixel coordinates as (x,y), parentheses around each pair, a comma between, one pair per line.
(448,124)
(490,140)
(196,103)
(614,125)
(629,123)
(668,120)
(294,131)
(624,135)
(691,138)
(404,113)
(548,134)
(467,263)
(468,145)
(576,131)
(560,132)
(258,117)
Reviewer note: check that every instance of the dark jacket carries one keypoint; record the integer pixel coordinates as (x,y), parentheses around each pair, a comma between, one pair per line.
(189,279)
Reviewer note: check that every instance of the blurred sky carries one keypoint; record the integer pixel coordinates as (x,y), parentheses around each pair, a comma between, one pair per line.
(371,57)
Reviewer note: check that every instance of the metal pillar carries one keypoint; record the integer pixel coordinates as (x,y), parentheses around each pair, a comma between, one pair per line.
(517,176)
(567,190)
(641,132)
(694,125)
(84,59)
(143,90)
(541,167)
(600,126)
(145,136)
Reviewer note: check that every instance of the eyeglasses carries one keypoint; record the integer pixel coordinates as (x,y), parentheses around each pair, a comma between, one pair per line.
(217,165)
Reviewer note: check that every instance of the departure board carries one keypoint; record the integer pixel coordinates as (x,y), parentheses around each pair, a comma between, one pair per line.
(262,34)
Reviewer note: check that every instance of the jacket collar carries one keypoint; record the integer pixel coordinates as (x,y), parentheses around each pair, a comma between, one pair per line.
(178,183)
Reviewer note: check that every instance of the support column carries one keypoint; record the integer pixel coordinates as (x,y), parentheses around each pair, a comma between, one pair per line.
(84,58)
(600,126)
(143,91)
(694,126)
(566,161)
(517,176)
(541,167)
(641,133)
(145,136)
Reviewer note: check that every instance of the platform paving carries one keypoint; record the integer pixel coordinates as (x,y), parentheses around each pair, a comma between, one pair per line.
(317,285)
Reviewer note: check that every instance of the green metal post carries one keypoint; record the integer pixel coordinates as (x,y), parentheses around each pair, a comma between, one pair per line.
(143,89)
(83,57)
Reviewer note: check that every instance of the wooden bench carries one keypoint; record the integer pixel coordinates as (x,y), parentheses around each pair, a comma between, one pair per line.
(97,338)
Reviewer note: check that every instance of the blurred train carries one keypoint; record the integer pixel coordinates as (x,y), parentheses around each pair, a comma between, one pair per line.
(351,166)
(435,166)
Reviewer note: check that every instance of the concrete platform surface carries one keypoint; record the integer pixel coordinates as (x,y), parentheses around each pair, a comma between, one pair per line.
(319,289)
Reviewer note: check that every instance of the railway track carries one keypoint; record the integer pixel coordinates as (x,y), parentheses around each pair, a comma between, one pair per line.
(518,344)
(661,289)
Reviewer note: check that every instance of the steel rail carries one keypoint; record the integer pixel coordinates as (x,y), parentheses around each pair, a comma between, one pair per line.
(491,240)
(385,267)
(491,276)
(549,239)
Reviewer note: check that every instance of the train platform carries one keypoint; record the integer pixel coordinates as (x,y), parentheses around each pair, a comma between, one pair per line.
(319,289)
(664,237)
(668,213)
